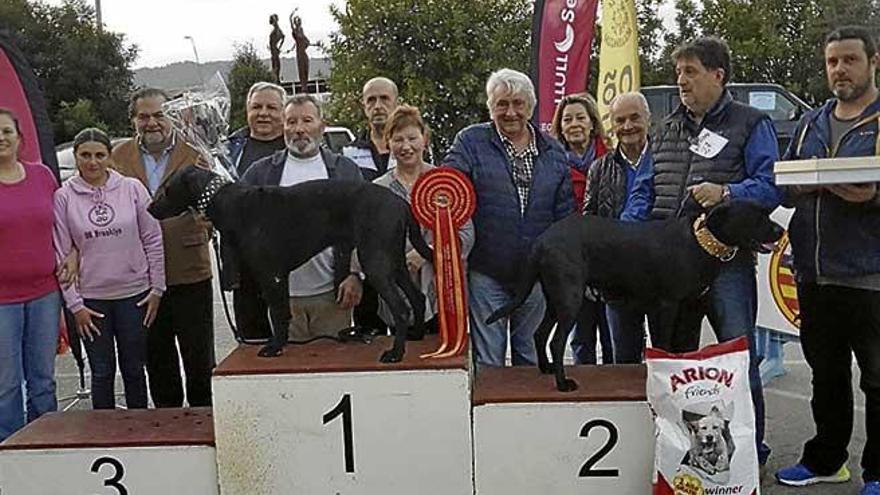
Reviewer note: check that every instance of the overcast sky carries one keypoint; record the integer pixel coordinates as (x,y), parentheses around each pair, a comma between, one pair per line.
(158,27)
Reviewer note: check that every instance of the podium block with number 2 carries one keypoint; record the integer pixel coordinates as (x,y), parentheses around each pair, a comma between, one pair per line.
(329,418)
(529,438)
(164,451)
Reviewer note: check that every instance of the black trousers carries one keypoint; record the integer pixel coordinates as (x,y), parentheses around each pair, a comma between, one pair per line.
(185,320)
(251,311)
(837,322)
(366,314)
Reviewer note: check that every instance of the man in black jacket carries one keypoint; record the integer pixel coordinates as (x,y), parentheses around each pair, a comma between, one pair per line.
(317,306)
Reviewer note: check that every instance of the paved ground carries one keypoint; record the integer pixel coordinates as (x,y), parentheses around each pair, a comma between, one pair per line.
(788,411)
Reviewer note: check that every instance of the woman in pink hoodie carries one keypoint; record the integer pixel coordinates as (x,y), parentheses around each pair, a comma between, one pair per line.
(122,269)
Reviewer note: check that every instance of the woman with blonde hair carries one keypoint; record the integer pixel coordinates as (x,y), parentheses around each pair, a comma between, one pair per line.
(576,124)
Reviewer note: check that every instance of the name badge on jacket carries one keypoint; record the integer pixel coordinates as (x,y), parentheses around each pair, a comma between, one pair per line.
(709,144)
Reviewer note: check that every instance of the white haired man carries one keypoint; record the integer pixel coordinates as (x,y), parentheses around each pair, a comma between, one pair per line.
(612,180)
(523,185)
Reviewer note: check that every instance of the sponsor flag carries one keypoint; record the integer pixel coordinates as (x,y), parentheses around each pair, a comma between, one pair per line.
(618,54)
(20,92)
(562,33)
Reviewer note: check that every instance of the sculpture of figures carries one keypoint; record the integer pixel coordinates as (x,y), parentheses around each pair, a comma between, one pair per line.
(276,39)
(302,58)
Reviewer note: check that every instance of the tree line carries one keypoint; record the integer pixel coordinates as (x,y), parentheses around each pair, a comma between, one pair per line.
(440,53)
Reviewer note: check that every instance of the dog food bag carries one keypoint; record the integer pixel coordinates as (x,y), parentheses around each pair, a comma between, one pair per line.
(704,421)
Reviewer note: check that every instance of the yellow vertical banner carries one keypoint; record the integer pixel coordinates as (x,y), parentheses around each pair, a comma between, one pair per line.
(618,54)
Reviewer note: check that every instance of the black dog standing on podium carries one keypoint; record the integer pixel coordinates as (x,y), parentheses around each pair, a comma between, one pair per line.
(280,228)
(670,260)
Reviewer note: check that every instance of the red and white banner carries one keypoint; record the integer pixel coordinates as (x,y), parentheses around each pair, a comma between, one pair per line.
(562,33)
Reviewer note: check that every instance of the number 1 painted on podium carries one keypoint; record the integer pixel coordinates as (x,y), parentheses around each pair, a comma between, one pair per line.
(344,408)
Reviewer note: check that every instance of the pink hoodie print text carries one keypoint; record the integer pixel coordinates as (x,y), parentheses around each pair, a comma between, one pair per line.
(119,242)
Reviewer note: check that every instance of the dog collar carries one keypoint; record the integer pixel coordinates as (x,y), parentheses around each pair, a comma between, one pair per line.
(710,243)
(209,192)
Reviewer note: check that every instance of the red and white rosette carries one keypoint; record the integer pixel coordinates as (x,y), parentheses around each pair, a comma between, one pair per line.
(443,200)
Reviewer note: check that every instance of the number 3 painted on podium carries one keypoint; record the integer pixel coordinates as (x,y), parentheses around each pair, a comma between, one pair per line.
(118,473)
(587,470)
(344,409)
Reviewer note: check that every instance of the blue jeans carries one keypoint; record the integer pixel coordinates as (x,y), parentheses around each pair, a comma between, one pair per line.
(122,329)
(732,311)
(28,340)
(626,322)
(490,341)
(591,321)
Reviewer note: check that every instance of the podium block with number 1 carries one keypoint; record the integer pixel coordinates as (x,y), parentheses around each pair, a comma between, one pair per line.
(328,418)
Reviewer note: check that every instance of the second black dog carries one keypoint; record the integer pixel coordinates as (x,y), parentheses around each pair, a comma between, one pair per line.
(669,260)
(280,228)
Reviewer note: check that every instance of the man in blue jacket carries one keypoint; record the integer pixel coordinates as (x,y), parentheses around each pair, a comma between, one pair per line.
(835,240)
(523,185)
(709,150)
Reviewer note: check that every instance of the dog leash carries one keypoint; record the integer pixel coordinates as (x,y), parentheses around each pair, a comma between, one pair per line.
(345,335)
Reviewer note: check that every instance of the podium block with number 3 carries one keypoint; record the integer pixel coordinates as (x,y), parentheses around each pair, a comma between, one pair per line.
(529,438)
(162,451)
(328,418)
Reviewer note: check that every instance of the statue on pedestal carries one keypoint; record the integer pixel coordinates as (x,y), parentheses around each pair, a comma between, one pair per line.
(276,39)
(302,58)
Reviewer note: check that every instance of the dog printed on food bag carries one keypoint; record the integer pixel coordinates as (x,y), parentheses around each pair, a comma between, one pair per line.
(704,421)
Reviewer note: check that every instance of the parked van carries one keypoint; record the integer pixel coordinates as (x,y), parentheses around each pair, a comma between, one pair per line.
(783,106)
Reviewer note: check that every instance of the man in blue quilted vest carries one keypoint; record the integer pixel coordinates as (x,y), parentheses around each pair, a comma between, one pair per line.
(523,186)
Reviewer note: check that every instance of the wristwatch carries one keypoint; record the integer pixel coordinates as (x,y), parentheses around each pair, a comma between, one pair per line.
(725,193)
(360,275)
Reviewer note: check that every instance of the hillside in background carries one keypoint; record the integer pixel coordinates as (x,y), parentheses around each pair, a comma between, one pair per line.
(184,75)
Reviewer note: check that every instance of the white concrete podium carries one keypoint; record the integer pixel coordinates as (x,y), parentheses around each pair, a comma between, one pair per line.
(161,451)
(529,438)
(329,418)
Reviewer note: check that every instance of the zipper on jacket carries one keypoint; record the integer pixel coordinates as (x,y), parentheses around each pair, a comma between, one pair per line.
(833,154)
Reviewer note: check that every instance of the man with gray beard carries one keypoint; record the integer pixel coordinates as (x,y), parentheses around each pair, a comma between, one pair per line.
(317,307)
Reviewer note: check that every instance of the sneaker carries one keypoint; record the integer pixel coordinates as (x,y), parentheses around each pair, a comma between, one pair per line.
(800,475)
(871,488)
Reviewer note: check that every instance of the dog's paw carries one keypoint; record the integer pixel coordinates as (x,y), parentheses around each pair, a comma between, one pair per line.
(566,385)
(271,350)
(391,356)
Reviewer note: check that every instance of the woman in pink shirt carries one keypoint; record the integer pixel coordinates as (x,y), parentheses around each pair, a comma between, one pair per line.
(122,268)
(30,305)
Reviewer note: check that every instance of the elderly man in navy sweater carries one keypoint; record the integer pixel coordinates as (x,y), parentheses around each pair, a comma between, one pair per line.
(523,186)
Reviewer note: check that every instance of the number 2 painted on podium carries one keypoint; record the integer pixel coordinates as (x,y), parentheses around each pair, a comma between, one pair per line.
(118,473)
(587,470)
(343,408)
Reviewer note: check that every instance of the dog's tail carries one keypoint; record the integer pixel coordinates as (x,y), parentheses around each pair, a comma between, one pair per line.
(416,239)
(524,287)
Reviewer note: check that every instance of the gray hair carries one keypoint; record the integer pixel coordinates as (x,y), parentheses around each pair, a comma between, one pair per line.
(303,99)
(632,95)
(266,86)
(512,81)
(383,80)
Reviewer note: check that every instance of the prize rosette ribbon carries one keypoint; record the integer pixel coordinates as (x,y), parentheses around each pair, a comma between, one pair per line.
(443,200)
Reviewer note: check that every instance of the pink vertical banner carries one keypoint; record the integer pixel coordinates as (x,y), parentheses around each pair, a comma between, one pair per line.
(562,33)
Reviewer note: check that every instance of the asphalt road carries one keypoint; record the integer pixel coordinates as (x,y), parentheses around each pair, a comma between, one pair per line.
(789,421)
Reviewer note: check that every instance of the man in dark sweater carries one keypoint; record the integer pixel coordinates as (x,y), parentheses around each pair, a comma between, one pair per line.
(262,137)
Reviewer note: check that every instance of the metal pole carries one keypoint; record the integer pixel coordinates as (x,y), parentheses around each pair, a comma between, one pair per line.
(198,63)
(98,20)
